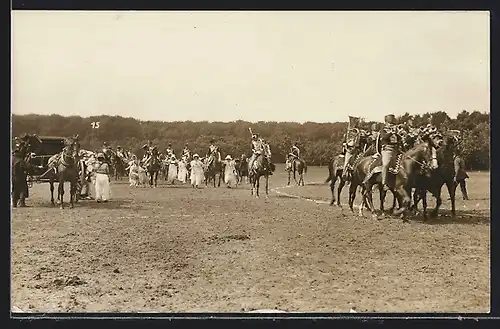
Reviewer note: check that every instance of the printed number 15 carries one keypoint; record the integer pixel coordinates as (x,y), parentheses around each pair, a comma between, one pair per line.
(95,125)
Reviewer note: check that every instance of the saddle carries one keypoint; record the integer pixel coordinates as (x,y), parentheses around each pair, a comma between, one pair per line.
(375,165)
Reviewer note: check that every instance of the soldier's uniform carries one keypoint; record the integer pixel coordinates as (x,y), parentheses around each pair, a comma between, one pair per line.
(169,151)
(461,175)
(294,152)
(390,145)
(186,152)
(348,145)
(213,149)
(257,148)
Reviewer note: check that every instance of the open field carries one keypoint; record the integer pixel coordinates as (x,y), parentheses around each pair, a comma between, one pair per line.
(175,249)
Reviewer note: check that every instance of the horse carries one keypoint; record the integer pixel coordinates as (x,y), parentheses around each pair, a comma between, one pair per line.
(242,169)
(260,167)
(296,165)
(213,168)
(336,169)
(153,167)
(443,175)
(405,168)
(118,165)
(65,170)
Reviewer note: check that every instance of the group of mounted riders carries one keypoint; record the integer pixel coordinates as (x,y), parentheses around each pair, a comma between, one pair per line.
(397,158)
(400,158)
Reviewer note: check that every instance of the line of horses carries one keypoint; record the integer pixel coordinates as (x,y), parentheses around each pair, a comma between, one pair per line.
(424,165)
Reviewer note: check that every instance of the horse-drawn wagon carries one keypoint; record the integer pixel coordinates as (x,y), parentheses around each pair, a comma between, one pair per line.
(46,148)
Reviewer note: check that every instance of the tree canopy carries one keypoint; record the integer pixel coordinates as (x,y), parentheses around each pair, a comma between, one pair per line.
(318,142)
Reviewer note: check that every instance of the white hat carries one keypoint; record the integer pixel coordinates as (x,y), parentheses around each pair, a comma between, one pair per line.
(228,157)
(196,155)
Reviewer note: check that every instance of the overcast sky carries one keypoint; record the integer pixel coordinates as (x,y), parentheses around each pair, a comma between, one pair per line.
(271,66)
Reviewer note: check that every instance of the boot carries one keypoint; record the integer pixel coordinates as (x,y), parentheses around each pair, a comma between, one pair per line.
(384,179)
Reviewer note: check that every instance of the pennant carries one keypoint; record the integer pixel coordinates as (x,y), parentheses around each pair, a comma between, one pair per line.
(354,122)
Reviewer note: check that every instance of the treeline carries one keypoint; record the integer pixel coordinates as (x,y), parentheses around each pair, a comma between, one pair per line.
(318,141)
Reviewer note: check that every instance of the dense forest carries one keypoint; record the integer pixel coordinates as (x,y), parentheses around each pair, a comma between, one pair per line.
(318,141)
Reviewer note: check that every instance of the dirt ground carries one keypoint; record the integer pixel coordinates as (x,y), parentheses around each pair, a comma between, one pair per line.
(175,249)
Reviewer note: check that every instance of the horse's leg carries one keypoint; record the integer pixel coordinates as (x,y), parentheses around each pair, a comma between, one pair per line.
(257,185)
(382,194)
(61,192)
(423,196)
(452,188)
(267,186)
(339,190)
(332,189)
(289,176)
(352,196)
(72,193)
(369,198)
(51,183)
(439,201)
(405,200)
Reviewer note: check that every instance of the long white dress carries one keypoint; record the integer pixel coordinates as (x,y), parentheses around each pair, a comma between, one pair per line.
(197,173)
(230,177)
(182,172)
(102,186)
(172,172)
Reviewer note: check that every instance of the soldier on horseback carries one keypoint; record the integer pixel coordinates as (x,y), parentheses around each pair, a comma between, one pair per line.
(169,151)
(213,150)
(186,152)
(348,147)
(260,147)
(389,145)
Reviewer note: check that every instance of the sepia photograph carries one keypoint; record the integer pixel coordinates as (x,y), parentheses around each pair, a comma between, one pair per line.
(250,161)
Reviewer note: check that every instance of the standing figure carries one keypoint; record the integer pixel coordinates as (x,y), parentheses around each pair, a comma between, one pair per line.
(230,174)
(460,174)
(102,186)
(197,171)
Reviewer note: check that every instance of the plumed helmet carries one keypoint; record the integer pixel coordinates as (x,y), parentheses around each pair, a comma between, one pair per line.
(390,118)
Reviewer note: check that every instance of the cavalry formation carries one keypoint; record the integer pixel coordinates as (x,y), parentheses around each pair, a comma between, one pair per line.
(399,158)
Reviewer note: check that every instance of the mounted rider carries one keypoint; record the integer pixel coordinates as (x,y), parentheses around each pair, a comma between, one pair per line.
(351,141)
(293,154)
(186,152)
(388,145)
(213,150)
(149,149)
(259,147)
(169,151)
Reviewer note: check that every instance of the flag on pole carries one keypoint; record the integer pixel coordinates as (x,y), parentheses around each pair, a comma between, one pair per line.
(354,122)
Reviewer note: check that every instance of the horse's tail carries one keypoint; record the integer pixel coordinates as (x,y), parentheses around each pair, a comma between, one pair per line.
(330,171)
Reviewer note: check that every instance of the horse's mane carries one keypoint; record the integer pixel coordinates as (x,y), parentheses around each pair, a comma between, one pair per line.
(421,147)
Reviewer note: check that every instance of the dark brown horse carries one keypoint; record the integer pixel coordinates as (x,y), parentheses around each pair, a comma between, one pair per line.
(260,167)
(242,168)
(213,169)
(296,165)
(444,175)
(336,168)
(404,170)
(153,167)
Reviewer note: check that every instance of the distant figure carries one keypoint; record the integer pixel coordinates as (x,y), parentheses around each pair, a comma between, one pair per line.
(197,171)
(102,188)
(461,174)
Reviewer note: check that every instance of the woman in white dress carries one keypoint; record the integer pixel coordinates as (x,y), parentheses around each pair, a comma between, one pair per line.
(197,173)
(230,177)
(133,175)
(172,170)
(182,170)
(102,188)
